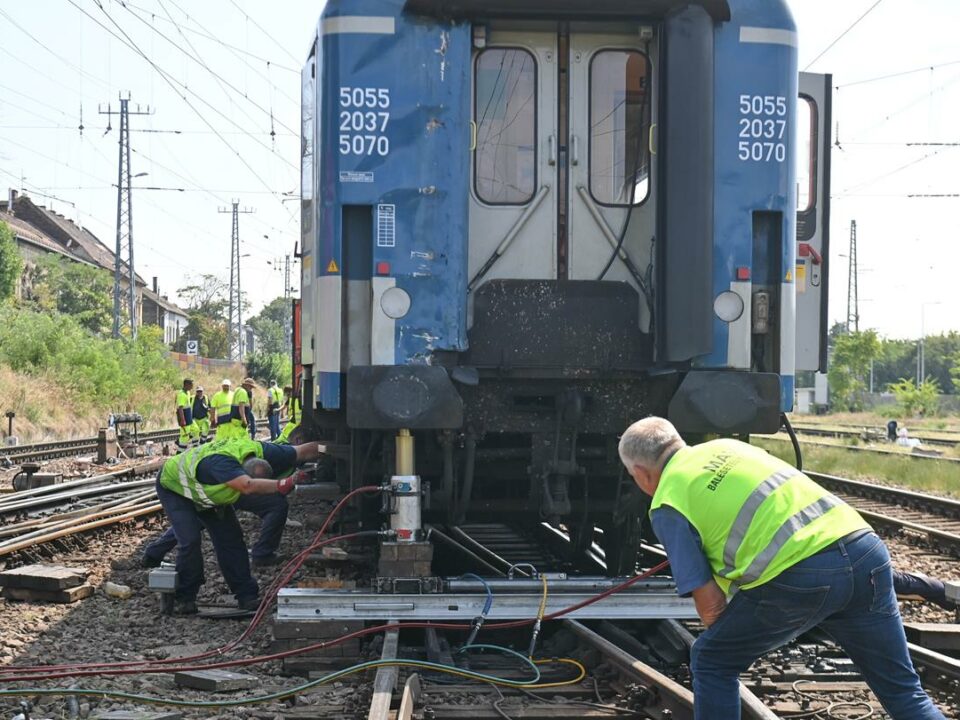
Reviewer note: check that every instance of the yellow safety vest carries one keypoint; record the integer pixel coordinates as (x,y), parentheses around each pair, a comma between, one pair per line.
(179,473)
(756,515)
(185,403)
(220,403)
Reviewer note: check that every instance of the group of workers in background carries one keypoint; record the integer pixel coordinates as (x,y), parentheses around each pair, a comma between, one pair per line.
(229,413)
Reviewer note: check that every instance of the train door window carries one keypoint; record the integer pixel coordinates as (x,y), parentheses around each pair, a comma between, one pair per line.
(307,104)
(806,154)
(505,113)
(619,158)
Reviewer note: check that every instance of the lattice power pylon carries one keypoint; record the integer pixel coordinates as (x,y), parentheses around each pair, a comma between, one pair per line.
(853,301)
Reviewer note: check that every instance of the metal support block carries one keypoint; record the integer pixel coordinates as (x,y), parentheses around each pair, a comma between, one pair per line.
(303,603)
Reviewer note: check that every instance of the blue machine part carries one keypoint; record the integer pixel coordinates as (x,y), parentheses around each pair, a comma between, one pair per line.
(754,174)
(393,111)
(393,118)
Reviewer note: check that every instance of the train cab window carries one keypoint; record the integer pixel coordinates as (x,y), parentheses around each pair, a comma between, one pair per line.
(806,154)
(506,136)
(619,156)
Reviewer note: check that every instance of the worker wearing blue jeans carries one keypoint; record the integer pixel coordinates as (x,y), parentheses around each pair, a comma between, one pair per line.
(767,555)
(272,511)
(845,589)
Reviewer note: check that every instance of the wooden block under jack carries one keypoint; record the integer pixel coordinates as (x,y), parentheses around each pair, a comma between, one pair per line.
(70,595)
(215,680)
(43,577)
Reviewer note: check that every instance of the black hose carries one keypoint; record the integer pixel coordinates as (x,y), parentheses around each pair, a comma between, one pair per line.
(793,439)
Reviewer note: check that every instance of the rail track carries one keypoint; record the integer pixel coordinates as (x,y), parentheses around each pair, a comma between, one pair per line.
(943,438)
(937,519)
(46,514)
(69,448)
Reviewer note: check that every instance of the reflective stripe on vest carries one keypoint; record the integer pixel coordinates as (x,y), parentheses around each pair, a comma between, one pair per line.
(756,515)
(179,473)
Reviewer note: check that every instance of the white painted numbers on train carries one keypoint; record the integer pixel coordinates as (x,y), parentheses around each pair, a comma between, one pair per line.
(763,128)
(364,116)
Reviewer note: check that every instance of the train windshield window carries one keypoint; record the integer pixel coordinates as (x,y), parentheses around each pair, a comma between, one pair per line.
(505,111)
(619,153)
(806,153)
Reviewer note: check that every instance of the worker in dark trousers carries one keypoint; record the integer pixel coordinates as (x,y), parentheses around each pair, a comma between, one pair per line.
(767,555)
(272,511)
(198,489)
(201,415)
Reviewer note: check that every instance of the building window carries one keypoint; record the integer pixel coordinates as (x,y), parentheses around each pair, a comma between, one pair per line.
(619,126)
(505,113)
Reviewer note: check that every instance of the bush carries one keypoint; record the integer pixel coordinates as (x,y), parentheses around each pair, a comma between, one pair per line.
(264,367)
(90,371)
(913,400)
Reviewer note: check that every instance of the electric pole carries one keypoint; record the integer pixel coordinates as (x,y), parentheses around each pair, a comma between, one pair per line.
(235,309)
(124,219)
(853,306)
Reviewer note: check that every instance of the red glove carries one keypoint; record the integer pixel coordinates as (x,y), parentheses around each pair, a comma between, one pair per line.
(286,485)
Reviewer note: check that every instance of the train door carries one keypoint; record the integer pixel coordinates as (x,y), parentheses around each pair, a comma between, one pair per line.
(513,198)
(611,193)
(813,219)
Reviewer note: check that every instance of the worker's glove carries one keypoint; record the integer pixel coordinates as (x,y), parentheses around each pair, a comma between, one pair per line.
(300,476)
(286,485)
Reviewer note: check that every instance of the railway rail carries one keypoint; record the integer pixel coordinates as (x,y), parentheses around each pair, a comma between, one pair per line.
(944,438)
(69,448)
(937,519)
(43,515)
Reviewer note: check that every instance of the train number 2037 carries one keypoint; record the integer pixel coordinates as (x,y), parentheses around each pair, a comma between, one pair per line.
(763,128)
(364,116)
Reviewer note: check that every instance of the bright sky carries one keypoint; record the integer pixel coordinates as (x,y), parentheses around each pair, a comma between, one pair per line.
(54,60)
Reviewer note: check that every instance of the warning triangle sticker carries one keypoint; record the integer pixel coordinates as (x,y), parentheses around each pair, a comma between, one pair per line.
(332,267)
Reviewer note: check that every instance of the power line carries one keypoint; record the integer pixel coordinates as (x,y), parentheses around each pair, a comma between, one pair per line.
(261,29)
(221,81)
(925,68)
(34,100)
(235,51)
(214,38)
(167,79)
(841,35)
(46,47)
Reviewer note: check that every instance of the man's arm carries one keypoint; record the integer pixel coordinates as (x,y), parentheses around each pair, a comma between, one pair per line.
(710,601)
(307,452)
(246,485)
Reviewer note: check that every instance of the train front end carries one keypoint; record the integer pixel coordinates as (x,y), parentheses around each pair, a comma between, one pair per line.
(527,223)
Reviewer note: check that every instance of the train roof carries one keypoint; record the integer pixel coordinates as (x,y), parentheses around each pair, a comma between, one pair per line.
(719,10)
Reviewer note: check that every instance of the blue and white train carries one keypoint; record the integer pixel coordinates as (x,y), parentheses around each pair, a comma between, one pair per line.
(526,223)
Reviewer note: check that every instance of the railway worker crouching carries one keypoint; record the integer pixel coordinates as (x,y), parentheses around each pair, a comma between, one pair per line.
(767,555)
(221,405)
(198,490)
(189,432)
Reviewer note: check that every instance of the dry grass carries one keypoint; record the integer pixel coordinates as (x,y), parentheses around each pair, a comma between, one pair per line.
(46,412)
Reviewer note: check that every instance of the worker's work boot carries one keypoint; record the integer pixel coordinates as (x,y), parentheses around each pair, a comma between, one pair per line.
(185,607)
(248,603)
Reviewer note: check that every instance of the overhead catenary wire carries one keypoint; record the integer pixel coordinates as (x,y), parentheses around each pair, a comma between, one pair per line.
(128,42)
(843,34)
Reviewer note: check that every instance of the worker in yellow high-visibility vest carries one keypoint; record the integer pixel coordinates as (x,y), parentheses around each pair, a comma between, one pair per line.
(240,411)
(767,555)
(189,432)
(220,410)
(201,414)
(274,404)
(294,414)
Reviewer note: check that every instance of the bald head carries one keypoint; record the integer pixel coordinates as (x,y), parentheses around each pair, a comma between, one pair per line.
(647,441)
(258,468)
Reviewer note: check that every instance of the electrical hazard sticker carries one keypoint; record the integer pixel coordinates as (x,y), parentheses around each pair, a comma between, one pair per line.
(332,266)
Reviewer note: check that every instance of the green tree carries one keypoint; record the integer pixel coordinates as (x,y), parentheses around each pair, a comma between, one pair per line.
(939,353)
(81,291)
(264,367)
(913,400)
(206,301)
(850,366)
(270,326)
(955,373)
(11,264)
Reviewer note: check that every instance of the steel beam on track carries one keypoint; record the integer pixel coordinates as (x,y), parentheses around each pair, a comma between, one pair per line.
(316,604)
